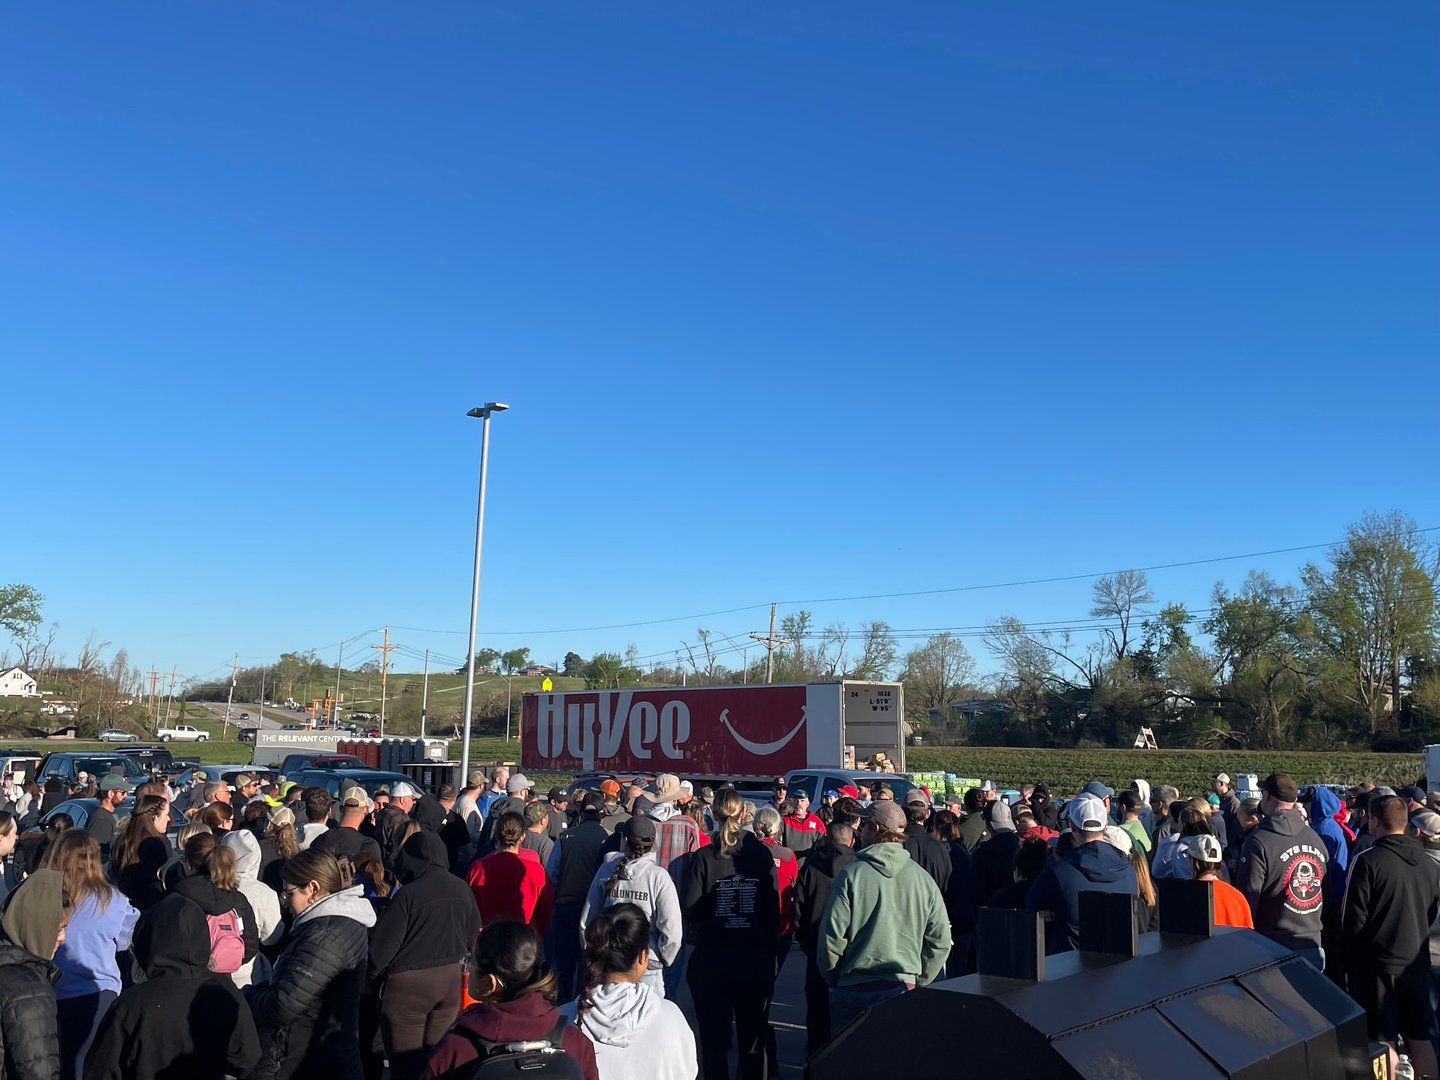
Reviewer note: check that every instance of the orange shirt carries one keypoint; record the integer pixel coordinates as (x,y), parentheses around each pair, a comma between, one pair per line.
(1231,907)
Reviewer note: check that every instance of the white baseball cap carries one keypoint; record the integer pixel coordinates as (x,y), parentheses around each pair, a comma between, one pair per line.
(1086,813)
(403,790)
(1202,848)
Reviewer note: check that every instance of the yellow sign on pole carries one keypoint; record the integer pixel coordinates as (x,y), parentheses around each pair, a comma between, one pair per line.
(546,684)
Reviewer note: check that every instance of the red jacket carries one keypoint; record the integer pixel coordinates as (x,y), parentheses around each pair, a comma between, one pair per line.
(787,869)
(512,884)
(526,1018)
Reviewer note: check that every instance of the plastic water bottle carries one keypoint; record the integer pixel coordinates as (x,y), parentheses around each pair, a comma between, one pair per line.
(1404,1070)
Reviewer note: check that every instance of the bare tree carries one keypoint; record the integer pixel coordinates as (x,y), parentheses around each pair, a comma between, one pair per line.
(1118,596)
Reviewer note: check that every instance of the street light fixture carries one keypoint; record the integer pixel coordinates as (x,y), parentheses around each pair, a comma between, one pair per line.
(483,414)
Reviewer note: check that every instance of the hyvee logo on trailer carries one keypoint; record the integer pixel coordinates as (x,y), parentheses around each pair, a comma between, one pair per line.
(590,729)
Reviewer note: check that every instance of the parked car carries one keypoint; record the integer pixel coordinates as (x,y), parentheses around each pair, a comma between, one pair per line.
(154,759)
(815,782)
(369,779)
(246,734)
(229,772)
(295,727)
(69,764)
(111,734)
(182,733)
(294,763)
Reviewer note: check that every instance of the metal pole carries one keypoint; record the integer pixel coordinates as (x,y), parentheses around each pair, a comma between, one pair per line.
(770,648)
(425,693)
(335,708)
(484,414)
(509,689)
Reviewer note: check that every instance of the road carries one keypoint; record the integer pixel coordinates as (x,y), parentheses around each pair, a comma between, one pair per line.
(269,719)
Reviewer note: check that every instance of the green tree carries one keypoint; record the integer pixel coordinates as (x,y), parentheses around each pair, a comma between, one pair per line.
(515,659)
(574,665)
(933,675)
(485,659)
(19,609)
(1259,673)
(1118,597)
(608,671)
(1373,607)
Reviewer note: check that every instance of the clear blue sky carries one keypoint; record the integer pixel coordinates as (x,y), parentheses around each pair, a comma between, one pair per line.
(790,301)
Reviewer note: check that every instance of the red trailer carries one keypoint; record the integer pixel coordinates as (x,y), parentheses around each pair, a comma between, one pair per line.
(761,730)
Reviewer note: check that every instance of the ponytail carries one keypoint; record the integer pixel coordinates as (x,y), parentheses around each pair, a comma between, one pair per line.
(614,940)
(634,848)
(209,857)
(729,812)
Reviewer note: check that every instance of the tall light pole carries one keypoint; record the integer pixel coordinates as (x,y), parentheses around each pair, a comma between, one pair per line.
(483,412)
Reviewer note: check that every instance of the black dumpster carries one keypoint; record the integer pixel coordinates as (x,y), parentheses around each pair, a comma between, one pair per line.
(1212,1003)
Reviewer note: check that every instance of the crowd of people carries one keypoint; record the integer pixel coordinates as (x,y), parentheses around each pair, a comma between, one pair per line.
(273,931)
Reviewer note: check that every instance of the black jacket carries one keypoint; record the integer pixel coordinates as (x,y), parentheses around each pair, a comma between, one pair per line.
(580,857)
(958,903)
(1391,900)
(309,1011)
(930,853)
(29,1041)
(349,842)
(213,901)
(992,867)
(432,920)
(812,888)
(183,1020)
(1281,872)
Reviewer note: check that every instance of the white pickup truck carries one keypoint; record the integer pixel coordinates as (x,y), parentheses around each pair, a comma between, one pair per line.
(181,733)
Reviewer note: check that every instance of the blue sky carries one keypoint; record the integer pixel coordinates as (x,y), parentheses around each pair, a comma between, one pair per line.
(790,301)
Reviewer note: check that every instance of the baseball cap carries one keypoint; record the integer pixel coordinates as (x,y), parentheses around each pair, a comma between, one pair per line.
(780,784)
(954,799)
(475,778)
(888,814)
(687,787)
(517,783)
(1279,785)
(609,787)
(1086,813)
(356,797)
(591,802)
(402,790)
(1213,799)
(1120,839)
(916,797)
(1130,800)
(831,793)
(988,785)
(1205,848)
(113,782)
(559,794)
(243,780)
(1414,793)
(640,828)
(849,790)
(1224,778)
(1382,790)
(1428,822)
(1099,790)
(707,794)
(82,776)
(1000,820)
(281,815)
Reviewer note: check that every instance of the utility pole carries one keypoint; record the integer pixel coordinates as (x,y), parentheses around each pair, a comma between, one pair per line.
(338,661)
(174,671)
(425,693)
(154,716)
(384,670)
(229,701)
(771,643)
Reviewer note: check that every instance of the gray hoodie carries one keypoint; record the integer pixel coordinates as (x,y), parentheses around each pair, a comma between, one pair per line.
(652,890)
(637,1034)
(269,925)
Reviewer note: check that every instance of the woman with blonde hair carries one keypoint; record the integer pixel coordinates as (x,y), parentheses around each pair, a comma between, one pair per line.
(174,871)
(213,884)
(279,845)
(731,902)
(101,924)
(139,853)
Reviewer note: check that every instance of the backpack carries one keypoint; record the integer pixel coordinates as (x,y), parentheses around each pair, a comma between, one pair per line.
(227,946)
(542,1058)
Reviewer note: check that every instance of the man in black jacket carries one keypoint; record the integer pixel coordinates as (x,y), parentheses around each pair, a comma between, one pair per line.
(573,861)
(415,952)
(930,853)
(825,860)
(992,867)
(1282,872)
(1392,898)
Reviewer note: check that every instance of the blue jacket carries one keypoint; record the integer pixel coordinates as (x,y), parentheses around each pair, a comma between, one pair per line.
(1324,805)
(1092,867)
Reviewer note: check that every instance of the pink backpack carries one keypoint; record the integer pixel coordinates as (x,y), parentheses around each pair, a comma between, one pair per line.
(227,945)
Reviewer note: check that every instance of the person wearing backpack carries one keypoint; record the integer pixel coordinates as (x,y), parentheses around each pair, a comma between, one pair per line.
(634,877)
(183,1012)
(638,1035)
(214,887)
(498,1037)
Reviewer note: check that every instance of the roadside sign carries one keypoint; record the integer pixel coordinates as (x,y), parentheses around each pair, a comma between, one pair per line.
(546,684)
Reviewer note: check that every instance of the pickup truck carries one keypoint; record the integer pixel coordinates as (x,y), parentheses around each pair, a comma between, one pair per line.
(182,733)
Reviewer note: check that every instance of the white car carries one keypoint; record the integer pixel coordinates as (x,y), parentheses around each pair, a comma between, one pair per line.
(182,733)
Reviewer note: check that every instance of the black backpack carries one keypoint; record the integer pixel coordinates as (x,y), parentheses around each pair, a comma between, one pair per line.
(539,1058)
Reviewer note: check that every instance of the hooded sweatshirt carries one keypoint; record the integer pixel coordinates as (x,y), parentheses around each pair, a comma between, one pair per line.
(1392,900)
(523,1019)
(884,921)
(432,921)
(264,904)
(1326,816)
(1281,872)
(644,884)
(213,901)
(1091,867)
(29,1042)
(812,889)
(184,1018)
(637,1034)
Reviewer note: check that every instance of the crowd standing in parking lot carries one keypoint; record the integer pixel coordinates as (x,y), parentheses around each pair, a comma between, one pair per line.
(311,934)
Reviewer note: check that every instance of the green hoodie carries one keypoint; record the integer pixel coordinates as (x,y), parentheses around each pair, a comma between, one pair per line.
(884,921)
